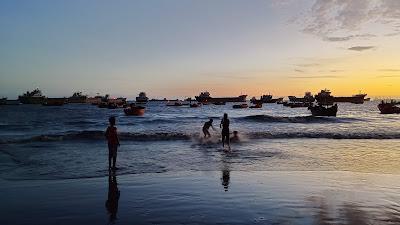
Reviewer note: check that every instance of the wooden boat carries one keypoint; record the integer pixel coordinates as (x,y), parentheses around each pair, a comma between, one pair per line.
(54,101)
(389,107)
(321,110)
(241,106)
(134,110)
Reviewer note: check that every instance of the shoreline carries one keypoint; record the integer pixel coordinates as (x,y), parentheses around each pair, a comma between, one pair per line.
(207,197)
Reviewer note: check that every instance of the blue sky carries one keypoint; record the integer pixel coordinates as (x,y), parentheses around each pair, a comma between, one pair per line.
(178,48)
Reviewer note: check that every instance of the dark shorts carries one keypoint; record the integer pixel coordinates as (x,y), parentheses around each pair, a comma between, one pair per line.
(225,134)
(112,150)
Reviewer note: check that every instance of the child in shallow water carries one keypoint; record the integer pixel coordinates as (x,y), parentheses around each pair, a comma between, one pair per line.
(235,137)
(113,142)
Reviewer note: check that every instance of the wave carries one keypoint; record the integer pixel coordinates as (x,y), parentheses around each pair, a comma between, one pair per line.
(95,135)
(297,119)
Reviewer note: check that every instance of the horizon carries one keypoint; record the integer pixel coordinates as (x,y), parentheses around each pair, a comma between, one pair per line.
(178,49)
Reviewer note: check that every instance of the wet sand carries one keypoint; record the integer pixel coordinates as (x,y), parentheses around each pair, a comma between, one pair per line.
(209,197)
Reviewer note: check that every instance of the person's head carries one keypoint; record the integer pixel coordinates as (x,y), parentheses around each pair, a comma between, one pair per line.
(211,120)
(225,116)
(111,120)
(235,133)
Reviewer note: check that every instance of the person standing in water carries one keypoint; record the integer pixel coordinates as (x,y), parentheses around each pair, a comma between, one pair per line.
(206,127)
(225,131)
(113,142)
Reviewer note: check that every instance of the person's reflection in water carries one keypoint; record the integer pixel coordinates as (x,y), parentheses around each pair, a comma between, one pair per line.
(113,197)
(225,177)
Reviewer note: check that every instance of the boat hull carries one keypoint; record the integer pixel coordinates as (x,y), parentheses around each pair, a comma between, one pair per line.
(323,111)
(54,101)
(31,100)
(135,111)
(388,108)
(241,98)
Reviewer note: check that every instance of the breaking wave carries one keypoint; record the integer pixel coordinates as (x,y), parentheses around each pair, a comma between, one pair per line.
(96,135)
(297,119)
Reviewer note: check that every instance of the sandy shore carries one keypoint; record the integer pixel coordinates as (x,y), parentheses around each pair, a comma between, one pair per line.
(211,197)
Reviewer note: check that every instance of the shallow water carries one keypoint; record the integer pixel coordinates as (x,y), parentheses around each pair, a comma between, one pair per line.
(288,168)
(209,197)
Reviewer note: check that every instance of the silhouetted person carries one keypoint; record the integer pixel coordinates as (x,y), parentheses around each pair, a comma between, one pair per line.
(225,178)
(235,137)
(113,197)
(206,127)
(113,143)
(225,130)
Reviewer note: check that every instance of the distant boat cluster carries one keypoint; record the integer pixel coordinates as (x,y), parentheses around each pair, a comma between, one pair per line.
(321,104)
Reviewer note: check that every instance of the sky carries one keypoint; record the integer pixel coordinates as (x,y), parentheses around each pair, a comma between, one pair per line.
(178,48)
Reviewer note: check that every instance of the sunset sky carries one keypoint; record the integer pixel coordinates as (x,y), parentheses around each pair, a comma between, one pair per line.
(177,48)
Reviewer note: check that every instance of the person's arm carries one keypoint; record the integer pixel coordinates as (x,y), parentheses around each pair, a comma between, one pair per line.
(213,128)
(107,132)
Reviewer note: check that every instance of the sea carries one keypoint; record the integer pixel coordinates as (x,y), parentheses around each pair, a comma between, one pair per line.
(40,144)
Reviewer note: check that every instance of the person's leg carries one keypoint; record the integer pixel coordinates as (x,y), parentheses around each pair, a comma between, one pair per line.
(115,157)
(223,140)
(208,133)
(109,156)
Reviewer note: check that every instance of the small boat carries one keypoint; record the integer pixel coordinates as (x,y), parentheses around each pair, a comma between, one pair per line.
(3,101)
(112,105)
(241,106)
(33,97)
(256,106)
(142,98)
(321,110)
(77,97)
(194,105)
(134,110)
(389,107)
(54,101)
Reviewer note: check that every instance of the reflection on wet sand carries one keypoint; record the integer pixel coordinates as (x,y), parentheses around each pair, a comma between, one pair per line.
(113,197)
(350,213)
(225,179)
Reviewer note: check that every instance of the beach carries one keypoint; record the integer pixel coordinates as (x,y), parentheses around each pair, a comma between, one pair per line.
(287,168)
(209,197)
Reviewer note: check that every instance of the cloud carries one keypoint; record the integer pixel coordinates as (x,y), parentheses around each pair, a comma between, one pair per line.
(361,48)
(307,64)
(300,71)
(328,18)
(348,38)
(313,77)
(392,34)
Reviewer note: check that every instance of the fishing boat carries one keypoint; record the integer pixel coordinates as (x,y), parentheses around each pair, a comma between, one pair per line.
(77,97)
(195,105)
(142,98)
(120,102)
(134,110)
(323,110)
(205,97)
(389,107)
(174,103)
(241,106)
(96,100)
(54,101)
(355,99)
(307,98)
(33,97)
